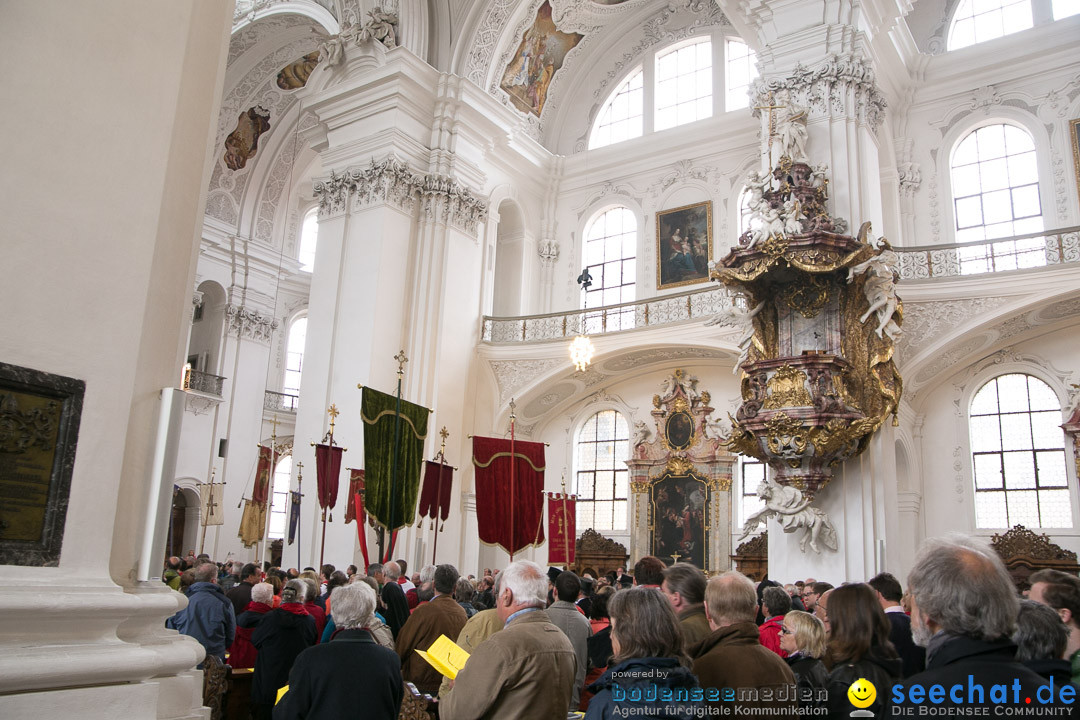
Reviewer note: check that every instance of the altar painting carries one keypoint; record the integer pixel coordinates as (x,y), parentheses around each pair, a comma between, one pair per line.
(678,506)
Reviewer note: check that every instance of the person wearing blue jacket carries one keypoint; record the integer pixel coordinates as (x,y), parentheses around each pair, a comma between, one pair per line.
(209,615)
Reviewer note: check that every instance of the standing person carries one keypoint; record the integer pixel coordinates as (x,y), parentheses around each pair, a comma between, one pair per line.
(775,604)
(1040,639)
(242,653)
(527,669)
(889,594)
(313,608)
(463,593)
(1061,592)
(684,587)
(732,656)
(802,637)
(209,616)
(240,594)
(171,577)
(441,616)
(403,579)
(649,656)
(328,680)
(565,616)
(649,572)
(860,648)
(397,610)
(282,634)
(812,592)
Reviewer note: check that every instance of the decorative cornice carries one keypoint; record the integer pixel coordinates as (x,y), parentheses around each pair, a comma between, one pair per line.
(394,183)
(826,88)
(250,324)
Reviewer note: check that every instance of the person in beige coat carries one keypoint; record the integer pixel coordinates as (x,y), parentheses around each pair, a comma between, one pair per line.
(526,670)
(441,616)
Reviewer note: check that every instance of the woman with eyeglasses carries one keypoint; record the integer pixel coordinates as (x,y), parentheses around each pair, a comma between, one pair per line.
(802,637)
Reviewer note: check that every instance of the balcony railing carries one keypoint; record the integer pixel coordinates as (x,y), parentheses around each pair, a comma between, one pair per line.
(280,402)
(1056,247)
(202,382)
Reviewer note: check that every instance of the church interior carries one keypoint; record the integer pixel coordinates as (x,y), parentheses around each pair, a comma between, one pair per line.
(259,213)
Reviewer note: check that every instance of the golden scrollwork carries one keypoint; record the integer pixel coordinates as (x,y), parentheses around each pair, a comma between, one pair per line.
(639,486)
(742,441)
(680,405)
(705,397)
(787,388)
(775,247)
(679,466)
(841,437)
(809,296)
(786,438)
(656,401)
(722,484)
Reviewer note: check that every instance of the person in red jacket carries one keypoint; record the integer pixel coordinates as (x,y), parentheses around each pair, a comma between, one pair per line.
(242,653)
(775,604)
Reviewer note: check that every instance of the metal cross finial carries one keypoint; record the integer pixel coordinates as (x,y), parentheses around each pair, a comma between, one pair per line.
(513,407)
(273,424)
(444,434)
(299,472)
(333,412)
(210,504)
(401,360)
(564,481)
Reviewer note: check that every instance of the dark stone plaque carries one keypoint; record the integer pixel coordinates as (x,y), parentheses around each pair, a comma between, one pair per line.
(39,428)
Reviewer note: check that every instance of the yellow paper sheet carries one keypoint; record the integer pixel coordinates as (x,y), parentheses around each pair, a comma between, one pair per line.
(446,656)
(281,691)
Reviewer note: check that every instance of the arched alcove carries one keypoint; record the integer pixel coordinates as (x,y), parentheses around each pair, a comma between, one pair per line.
(507,299)
(183,522)
(207,325)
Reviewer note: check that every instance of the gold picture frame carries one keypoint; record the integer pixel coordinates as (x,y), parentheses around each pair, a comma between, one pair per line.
(682,258)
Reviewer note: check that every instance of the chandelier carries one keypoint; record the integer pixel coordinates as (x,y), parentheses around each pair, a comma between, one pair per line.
(581,352)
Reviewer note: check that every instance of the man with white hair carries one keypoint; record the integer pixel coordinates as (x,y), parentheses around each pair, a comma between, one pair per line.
(526,670)
(327,681)
(963,611)
(397,610)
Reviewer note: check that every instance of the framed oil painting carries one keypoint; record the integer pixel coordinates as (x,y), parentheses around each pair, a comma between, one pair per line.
(679,508)
(684,240)
(1074,135)
(539,56)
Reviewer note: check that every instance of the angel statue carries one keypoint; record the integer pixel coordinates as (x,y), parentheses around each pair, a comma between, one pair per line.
(793,512)
(641,433)
(380,27)
(743,320)
(882,272)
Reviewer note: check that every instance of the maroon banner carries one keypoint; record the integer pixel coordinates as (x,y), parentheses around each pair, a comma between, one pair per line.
(361,531)
(562,528)
(261,492)
(328,470)
(435,492)
(510,516)
(356,485)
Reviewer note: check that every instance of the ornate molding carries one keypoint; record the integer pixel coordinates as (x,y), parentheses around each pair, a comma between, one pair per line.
(1021,542)
(548,250)
(513,375)
(926,322)
(827,88)
(200,404)
(594,543)
(394,183)
(250,324)
(757,546)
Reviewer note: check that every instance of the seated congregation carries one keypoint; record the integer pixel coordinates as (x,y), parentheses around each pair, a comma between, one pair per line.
(666,642)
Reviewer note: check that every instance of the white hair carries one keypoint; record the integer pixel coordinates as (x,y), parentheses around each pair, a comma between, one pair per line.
(527,581)
(353,605)
(263,592)
(427,574)
(392,570)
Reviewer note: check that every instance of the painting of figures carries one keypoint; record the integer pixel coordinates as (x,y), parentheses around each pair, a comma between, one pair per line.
(683,245)
(678,507)
(243,142)
(539,56)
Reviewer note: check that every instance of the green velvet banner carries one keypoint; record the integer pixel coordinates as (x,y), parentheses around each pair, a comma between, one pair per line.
(392,500)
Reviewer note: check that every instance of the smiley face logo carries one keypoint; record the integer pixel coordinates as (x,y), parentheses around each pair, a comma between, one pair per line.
(862,693)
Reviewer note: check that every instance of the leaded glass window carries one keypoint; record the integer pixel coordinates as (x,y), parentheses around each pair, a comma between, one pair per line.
(684,84)
(977,21)
(751,474)
(741,69)
(611,259)
(279,502)
(620,119)
(603,446)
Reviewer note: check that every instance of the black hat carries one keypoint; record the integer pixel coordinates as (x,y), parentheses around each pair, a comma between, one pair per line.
(553,573)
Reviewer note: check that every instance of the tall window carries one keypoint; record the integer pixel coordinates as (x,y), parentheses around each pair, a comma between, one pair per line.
(684,84)
(741,68)
(751,474)
(610,257)
(603,446)
(1065,8)
(279,503)
(309,237)
(995,182)
(1018,455)
(745,211)
(977,21)
(620,119)
(294,356)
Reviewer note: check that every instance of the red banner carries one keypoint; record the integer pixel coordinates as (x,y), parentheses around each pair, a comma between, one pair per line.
(356,485)
(328,470)
(261,492)
(510,515)
(562,528)
(435,492)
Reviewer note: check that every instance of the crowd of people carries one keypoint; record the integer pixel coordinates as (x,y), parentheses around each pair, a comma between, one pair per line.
(666,641)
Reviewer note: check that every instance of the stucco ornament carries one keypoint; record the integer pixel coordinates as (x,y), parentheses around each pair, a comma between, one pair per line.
(793,512)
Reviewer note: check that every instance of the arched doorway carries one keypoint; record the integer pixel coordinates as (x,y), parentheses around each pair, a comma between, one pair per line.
(183,522)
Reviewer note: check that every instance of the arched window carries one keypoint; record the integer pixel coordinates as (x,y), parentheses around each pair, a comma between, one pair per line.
(610,257)
(684,84)
(603,446)
(294,356)
(741,69)
(977,21)
(1018,455)
(309,237)
(279,502)
(751,474)
(620,119)
(995,184)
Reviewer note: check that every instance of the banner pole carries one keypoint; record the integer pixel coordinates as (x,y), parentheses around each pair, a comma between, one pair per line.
(400,357)
(438,493)
(300,514)
(513,461)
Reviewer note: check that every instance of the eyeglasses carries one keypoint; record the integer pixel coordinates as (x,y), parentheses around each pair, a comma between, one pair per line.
(786,631)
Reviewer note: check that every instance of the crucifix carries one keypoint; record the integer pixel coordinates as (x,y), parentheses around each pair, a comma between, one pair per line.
(675,557)
(401,360)
(770,125)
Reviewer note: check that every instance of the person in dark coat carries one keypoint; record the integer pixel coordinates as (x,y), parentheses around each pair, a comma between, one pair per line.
(464,592)
(1041,637)
(859,642)
(280,637)
(649,657)
(963,611)
(240,594)
(209,616)
(889,594)
(393,597)
(802,637)
(242,653)
(338,678)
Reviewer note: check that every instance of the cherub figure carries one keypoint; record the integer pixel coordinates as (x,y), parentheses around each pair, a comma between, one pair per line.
(744,321)
(882,271)
(793,512)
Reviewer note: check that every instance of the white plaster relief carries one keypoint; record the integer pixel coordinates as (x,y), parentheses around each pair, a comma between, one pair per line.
(830,88)
(250,324)
(513,375)
(925,323)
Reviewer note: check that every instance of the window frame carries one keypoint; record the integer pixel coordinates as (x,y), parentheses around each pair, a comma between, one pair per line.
(613,203)
(312,211)
(591,413)
(284,499)
(302,315)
